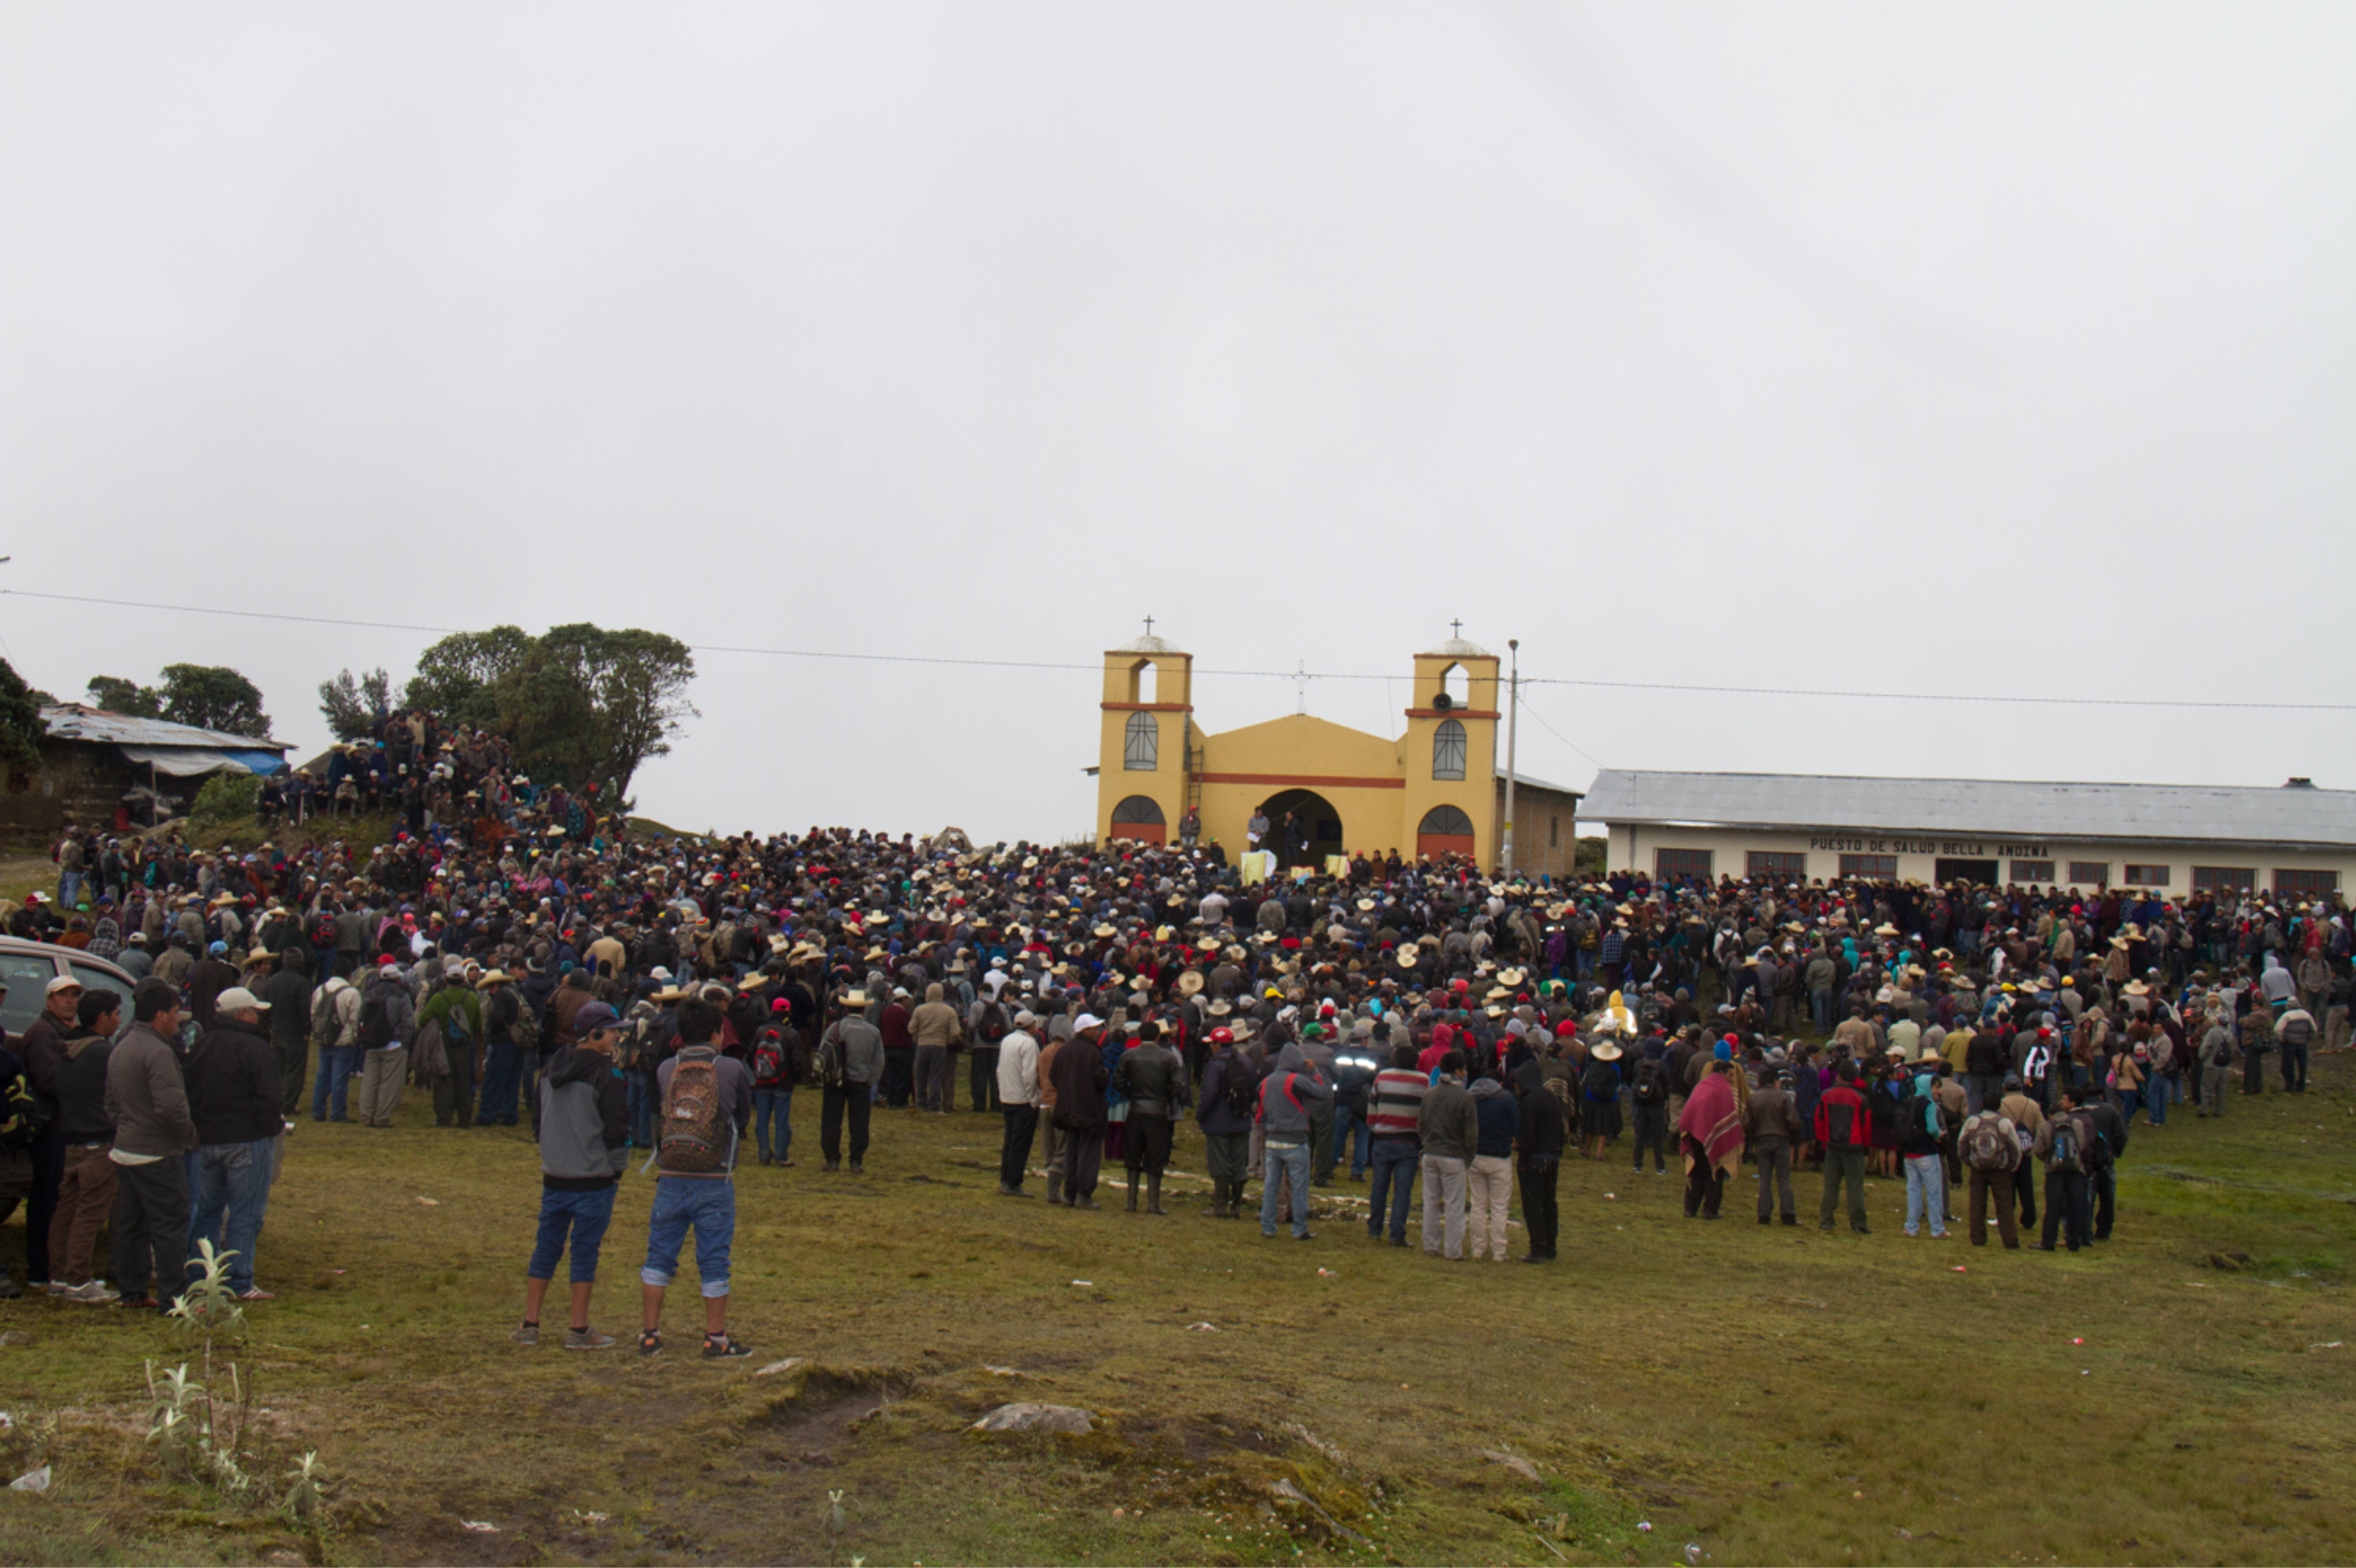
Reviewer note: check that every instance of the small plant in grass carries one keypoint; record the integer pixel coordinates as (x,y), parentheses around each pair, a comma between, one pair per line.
(198,1437)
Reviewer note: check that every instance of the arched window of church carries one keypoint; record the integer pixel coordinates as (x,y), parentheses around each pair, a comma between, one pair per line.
(1142,750)
(1447,750)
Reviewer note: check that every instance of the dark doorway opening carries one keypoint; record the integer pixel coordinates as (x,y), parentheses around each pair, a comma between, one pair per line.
(1981,871)
(1303,826)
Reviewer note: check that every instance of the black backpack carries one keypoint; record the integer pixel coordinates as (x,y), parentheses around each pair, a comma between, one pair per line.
(375,1020)
(1651,1086)
(1602,1083)
(1240,1092)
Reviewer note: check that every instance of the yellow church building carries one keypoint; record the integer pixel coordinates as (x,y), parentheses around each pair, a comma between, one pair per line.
(1438,788)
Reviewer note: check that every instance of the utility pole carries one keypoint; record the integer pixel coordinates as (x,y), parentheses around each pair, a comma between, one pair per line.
(1513,730)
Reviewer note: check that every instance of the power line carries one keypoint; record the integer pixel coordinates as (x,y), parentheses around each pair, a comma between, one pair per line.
(1942,696)
(1264,675)
(1558,734)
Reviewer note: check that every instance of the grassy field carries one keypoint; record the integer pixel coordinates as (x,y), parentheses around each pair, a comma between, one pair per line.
(1753,1394)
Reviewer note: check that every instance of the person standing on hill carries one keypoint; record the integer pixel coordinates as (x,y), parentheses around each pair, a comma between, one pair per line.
(1286,1130)
(1772,1124)
(1153,1081)
(706,1103)
(1990,1145)
(1017,1076)
(146,1104)
(850,1062)
(1448,1126)
(585,1139)
(1489,1182)
(1539,1136)
(1394,1151)
(2066,1145)
(1080,1079)
(1845,1130)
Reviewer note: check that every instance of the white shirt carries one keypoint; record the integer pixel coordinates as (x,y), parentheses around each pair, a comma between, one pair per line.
(1018,1069)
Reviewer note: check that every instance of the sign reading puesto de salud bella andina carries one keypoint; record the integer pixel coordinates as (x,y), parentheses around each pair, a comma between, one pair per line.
(1958,849)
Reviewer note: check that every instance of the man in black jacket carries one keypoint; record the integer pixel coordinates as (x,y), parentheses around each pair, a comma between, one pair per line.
(2103,1180)
(1153,1080)
(234,1099)
(1540,1149)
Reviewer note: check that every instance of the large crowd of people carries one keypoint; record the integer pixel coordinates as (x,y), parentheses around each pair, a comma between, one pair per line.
(523,957)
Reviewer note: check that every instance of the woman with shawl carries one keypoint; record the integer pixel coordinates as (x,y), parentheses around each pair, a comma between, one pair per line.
(1710,1133)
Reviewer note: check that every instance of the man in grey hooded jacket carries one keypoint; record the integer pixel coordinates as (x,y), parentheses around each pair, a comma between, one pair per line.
(1287,1098)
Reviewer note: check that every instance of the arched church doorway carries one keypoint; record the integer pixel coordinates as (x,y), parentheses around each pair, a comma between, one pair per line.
(1303,826)
(1444,831)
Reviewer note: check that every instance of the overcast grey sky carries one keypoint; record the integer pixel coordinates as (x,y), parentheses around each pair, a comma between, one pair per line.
(2004,349)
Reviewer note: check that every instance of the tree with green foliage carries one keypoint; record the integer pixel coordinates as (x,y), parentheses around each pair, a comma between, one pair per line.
(128,698)
(456,676)
(354,708)
(208,696)
(214,697)
(21,726)
(578,705)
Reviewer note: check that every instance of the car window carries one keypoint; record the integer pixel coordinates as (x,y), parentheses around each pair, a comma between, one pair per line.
(27,976)
(96,978)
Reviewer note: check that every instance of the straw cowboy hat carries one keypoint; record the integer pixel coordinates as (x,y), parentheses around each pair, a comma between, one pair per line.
(1190,981)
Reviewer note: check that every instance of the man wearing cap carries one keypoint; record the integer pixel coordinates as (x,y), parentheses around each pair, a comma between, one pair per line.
(1448,1128)
(1223,1110)
(387,1023)
(1017,1083)
(42,1048)
(146,1102)
(584,1138)
(233,1098)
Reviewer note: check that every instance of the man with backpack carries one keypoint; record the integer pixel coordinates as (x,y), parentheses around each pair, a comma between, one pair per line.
(1287,1129)
(387,1022)
(335,1033)
(503,1011)
(778,1060)
(2214,1064)
(583,1137)
(1649,1093)
(705,1100)
(1990,1145)
(455,1012)
(2294,1032)
(851,1062)
(1845,1130)
(2067,1144)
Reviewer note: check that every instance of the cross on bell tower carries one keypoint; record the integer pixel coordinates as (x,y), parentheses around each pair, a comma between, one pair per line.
(1455,628)
(1149,625)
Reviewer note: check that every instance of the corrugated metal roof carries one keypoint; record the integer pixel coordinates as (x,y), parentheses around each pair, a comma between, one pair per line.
(2191,813)
(1522,780)
(72,721)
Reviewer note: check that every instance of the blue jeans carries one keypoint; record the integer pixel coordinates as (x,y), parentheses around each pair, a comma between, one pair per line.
(1820,1006)
(500,1069)
(1279,1161)
(338,1064)
(642,1096)
(2130,1102)
(233,1185)
(1352,1136)
(1926,1192)
(777,1103)
(1394,1164)
(2158,1091)
(585,1215)
(708,1204)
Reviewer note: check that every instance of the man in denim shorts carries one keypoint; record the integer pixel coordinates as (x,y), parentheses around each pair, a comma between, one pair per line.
(585,1137)
(705,1100)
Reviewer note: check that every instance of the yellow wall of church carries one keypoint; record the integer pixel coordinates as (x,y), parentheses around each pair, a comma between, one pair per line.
(1379,788)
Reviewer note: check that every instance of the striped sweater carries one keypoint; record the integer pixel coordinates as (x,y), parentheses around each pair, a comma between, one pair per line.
(1399,1095)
